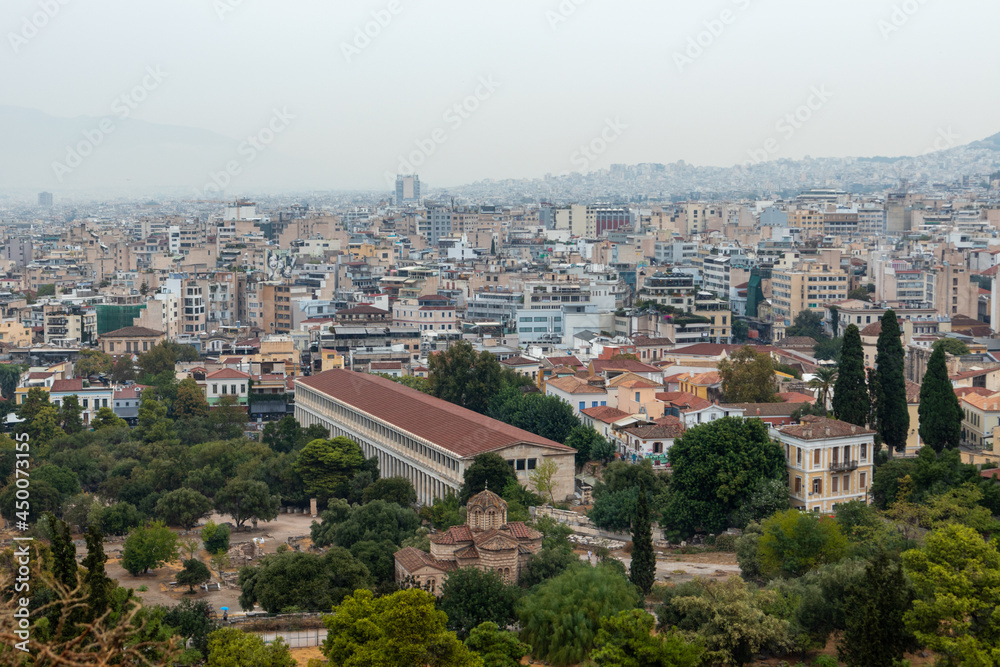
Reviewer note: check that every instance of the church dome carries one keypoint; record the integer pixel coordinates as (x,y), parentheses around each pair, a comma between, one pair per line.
(486,499)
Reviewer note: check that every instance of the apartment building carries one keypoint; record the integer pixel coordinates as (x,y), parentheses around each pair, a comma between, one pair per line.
(829,462)
(980,417)
(809,285)
(429,441)
(130,340)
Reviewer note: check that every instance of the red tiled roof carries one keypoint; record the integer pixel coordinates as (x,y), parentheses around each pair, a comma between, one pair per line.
(75,384)
(227,374)
(574,385)
(604,413)
(40,376)
(601,365)
(386,365)
(519,361)
(715,349)
(131,332)
(414,559)
(820,428)
(521,531)
(461,431)
(127,392)
(656,431)
(454,535)
(796,397)
(683,401)
(572,362)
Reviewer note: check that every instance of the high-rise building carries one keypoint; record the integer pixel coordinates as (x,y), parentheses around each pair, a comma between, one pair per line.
(407,189)
(45,199)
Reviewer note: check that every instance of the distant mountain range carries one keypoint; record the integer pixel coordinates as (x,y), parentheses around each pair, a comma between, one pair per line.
(40,151)
(973,163)
(43,152)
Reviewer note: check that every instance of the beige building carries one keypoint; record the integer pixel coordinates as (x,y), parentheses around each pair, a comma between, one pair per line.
(487,541)
(14,334)
(829,462)
(807,286)
(427,440)
(131,340)
(980,418)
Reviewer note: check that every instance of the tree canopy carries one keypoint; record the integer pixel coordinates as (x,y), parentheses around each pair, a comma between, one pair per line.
(461,376)
(939,412)
(850,391)
(716,466)
(748,377)
(893,415)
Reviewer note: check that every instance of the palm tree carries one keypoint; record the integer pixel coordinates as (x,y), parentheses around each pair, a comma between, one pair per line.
(823,381)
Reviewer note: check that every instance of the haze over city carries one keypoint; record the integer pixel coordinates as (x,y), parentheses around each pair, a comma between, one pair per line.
(364,84)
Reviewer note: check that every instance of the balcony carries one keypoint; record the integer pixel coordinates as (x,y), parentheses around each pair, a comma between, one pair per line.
(843,466)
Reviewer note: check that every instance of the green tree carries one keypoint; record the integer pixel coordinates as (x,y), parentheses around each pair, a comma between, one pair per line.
(123,370)
(106,418)
(768,497)
(190,401)
(823,382)
(463,377)
(627,640)
(149,547)
(748,377)
(740,331)
(326,466)
(397,490)
(957,580)
(194,573)
(229,647)
(445,512)
(830,349)
(487,470)
(807,323)
(729,617)
(44,427)
(860,293)
(215,538)
(403,628)
(642,572)
(92,362)
(183,507)
(471,596)
(247,500)
(286,435)
(10,378)
(48,289)
(192,621)
(716,466)
(302,581)
(875,634)
(98,584)
(850,392)
(545,416)
(119,519)
(63,551)
(497,648)
(893,415)
(543,478)
(556,556)
(952,346)
(378,520)
(795,542)
(585,440)
(561,618)
(939,412)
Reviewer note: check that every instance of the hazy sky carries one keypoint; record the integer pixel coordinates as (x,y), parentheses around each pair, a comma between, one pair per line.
(884,77)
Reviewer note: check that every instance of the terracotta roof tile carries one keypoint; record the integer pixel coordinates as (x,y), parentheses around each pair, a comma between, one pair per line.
(227,374)
(574,385)
(414,559)
(456,429)
(131,332)
(522,532)
(821,428)
(605,413)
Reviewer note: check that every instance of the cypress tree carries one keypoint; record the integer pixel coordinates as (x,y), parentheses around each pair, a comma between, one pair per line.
(850,392)
(99,585)
(893,414)
(939,411)
(643,570)
(63,553)
(875,634)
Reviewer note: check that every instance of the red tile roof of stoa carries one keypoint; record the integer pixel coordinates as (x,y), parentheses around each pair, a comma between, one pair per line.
(463,432)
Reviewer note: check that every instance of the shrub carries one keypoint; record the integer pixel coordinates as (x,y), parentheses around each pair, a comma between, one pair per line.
(726,542)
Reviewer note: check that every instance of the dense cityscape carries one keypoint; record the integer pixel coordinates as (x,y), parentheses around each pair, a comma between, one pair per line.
(453,335)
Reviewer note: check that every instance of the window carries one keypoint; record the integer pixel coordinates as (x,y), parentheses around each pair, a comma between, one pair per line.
(145,346)
(816,456)
(225,389)
(864,451)
(798,456)
(817,486)
(532,463)
(798,485)
(243,389)
(637,397)
(593,404)
(521,463)
(847,483)
(232,389)
(583,404)
(847,453)
(86,403)
(215,388)
(834,487)
(111,346)
(863,480)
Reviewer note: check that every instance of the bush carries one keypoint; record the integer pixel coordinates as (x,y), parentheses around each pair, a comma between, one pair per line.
(726,542)
(627,548)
